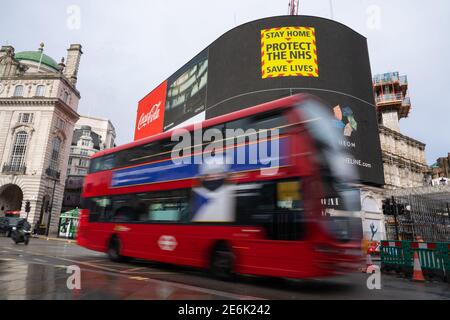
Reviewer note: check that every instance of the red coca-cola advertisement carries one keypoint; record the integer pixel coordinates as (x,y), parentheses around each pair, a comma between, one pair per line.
(150,116)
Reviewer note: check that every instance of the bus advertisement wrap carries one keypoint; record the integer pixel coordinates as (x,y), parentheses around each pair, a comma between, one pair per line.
(275,57)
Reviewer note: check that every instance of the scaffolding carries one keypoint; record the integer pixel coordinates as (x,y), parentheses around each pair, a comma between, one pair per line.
(418,218)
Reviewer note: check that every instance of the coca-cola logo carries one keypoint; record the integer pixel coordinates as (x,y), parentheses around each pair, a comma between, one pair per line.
(152,115)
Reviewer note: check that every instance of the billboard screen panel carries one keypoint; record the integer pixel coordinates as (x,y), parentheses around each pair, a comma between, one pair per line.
(150,115)
(186,91)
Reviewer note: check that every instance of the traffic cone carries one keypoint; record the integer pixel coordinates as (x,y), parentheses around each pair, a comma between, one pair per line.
(417,273)
(368,263)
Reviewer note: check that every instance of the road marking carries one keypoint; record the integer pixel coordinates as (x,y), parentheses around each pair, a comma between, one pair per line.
(39,260)
(7,259)
(138,278)
(98,260)
(108,265)
(132,270)
(136,270)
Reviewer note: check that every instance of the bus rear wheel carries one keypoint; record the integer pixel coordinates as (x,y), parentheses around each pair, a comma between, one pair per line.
(114,247)
(222,262)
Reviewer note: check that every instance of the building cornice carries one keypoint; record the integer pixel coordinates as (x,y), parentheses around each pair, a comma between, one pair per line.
(37,101)
(400,136)
(44,76)
(389,157)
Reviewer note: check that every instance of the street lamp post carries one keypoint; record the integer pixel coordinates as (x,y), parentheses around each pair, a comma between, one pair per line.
(51,208)
(395,217)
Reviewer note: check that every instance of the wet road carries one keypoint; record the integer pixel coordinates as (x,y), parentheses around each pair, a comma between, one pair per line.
(39,271)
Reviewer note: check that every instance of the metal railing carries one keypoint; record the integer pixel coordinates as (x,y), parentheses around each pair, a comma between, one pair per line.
(389,78)
(386,78)
(403,80)
(423,217)
(390,97)
(406,102)
(53,173)
(14,169)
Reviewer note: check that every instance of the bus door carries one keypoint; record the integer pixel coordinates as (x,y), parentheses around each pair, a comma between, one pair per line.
(277,207)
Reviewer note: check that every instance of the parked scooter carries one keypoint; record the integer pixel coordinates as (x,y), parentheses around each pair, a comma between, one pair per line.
(21,232)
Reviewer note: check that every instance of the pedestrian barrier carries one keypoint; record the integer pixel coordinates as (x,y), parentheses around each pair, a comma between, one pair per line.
(434,258)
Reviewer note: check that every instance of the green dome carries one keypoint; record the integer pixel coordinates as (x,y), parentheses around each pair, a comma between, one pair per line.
(36,57)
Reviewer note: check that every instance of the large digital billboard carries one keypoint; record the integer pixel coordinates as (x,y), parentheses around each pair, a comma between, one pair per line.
(271,58)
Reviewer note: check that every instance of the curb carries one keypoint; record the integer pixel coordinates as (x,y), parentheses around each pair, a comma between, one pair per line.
(55,239)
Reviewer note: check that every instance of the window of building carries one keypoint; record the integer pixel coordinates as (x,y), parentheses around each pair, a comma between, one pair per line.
(18,91)
(65,96)
(83,163)
(82,171)
(60,123)
(26,117)
(54,159)
(40,90)
(85,142)
(19,149)
(83,152)
(86,132)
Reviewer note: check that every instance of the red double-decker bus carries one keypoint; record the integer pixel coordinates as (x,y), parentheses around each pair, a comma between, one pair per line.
(155,199)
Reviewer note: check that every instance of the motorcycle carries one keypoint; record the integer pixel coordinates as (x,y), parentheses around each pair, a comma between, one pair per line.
(21,233)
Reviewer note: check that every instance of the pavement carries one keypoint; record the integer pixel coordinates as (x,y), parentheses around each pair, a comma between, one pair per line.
(40,271)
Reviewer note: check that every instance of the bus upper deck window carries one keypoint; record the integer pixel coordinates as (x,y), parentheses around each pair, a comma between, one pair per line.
(108,162)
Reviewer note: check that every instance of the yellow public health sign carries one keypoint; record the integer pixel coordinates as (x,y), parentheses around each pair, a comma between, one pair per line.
(289,51)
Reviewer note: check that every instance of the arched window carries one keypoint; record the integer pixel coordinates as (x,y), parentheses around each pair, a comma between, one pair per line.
(56,145)
(40,90)
(18,151)
(369,204)
(18,91)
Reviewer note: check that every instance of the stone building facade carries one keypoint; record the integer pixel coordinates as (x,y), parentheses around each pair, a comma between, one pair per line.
(91,135)
(38,111)
(403,159)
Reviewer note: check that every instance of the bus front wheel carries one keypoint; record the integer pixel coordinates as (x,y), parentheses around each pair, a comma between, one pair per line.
(222,262)
(114,247)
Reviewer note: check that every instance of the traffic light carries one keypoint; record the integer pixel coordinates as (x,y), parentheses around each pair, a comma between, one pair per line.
(402,209)
(27,207)
(387,207)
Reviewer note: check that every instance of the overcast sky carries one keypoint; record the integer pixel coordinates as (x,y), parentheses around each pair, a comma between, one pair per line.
(131,46)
